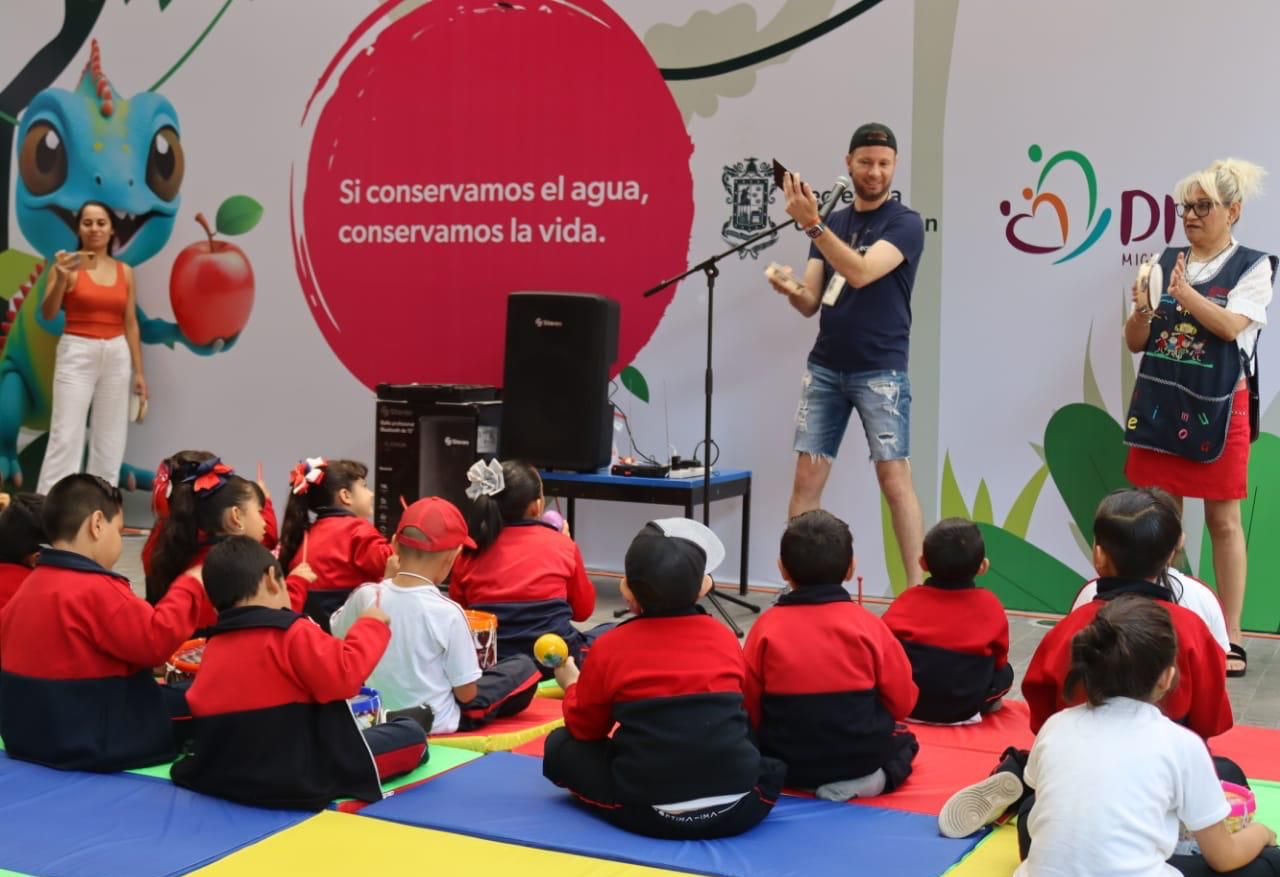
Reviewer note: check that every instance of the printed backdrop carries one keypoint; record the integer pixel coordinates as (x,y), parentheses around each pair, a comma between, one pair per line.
(379,176)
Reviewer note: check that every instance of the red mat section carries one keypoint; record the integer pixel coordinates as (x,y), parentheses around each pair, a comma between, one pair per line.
(1009,726)
(1256,750)
(533,747)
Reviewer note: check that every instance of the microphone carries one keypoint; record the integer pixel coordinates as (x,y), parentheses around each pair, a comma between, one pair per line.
(842,185)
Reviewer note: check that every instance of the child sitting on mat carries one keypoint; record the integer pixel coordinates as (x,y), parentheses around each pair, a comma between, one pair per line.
(956,634)
(21,535)
(77,645)
(431,663)
(1136,533)
(826,681)
(681,763)
(207,504)
(163,486)
(1115,777)
(326,525)
(272,725)
(524,570)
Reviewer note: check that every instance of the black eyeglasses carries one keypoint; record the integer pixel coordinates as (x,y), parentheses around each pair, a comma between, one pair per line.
(1200,208)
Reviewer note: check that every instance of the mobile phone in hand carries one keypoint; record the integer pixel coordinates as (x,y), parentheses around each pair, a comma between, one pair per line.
(778,173)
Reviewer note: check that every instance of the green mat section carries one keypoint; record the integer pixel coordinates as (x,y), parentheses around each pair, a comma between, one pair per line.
(160,771)
(4,873)
(442,758)
(1268,795)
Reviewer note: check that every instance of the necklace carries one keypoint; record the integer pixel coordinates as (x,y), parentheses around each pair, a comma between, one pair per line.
(413,575)
(1192,281)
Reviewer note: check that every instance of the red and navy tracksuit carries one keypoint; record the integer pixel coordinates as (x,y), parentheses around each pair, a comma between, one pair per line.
(1199,700)
(271,722)
(827,684)
(534,580)
(76,651)
(345,552)
(208,616)
(672,683)
(956,636)
(11,576)
(270,538)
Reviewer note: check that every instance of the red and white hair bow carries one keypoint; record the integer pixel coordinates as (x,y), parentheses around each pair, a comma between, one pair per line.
(310,471)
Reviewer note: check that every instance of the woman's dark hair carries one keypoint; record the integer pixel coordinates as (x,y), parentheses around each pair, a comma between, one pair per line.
(339,475)
(816,549)
(487,515)
(111,241)
(1123,651)
(1139,529)
(234,569)
(194,517)
(22,528)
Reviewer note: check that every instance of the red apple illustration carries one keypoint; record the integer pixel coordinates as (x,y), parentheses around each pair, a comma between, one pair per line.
(211,288)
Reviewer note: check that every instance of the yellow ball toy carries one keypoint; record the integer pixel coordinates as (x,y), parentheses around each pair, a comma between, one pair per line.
(550,650)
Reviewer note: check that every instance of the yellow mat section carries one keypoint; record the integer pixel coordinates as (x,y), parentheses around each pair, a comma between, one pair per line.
(996,856)
(497,742)
(342,845)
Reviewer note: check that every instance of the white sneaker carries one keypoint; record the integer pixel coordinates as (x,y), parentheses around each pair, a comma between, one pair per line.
(979,805)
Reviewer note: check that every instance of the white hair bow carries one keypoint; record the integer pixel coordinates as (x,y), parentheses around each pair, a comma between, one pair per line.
(485,479)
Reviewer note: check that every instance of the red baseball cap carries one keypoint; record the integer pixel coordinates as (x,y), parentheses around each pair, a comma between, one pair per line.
(441,523)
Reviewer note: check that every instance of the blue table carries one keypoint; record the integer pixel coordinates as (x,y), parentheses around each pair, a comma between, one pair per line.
(684,492)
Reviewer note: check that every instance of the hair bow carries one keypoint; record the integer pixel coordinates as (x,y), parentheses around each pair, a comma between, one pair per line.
(310,471)
(485,479)
(208,477)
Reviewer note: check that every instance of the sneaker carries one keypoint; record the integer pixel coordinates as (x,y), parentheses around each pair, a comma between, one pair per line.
(979,805)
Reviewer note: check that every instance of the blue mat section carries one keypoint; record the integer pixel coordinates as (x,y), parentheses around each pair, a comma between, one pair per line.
(70,824)
(504,797)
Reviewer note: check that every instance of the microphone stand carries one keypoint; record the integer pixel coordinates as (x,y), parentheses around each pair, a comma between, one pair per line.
(709,268)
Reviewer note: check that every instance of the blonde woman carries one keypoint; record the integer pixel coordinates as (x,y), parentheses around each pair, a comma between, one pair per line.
(1189,423)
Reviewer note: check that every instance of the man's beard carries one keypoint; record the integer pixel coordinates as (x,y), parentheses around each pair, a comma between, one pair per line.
(868,195)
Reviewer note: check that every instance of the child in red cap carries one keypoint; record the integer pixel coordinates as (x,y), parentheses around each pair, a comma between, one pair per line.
(431,662)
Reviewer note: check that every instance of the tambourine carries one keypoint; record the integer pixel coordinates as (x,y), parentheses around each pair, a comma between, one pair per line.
(137,408)
(1151,281)
(185,662)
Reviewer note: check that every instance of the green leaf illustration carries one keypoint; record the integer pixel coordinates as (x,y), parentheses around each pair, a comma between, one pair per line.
(1085,451)
(892,554)
(237,215)
(1039,449)
(1019,519)
(1092,395)
(1022,575)
(635,383)
(982,511)
(953,504)
(1085,545)
(1260,516)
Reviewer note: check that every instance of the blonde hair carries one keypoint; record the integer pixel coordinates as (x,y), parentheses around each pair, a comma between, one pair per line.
(1226,181)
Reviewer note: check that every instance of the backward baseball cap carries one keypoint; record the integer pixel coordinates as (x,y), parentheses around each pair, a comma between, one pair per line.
(873,134)
(667,561)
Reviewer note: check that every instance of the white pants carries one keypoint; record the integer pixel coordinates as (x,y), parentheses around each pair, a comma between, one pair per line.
(88,375)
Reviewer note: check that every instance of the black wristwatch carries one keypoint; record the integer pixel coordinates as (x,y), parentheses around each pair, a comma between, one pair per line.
(815,231)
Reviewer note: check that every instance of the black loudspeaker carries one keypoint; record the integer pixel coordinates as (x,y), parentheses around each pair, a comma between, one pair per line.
(560,348)
(428,436)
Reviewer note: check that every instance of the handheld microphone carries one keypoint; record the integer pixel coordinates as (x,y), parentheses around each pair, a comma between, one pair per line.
(842,185)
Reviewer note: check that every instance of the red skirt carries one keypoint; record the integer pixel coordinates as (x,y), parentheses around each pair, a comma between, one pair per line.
(1225,478)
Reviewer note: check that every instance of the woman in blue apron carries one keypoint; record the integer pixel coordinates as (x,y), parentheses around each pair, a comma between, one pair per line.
(1191,420)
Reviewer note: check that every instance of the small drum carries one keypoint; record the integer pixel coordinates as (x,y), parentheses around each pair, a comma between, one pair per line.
(484,633)
(185,662)
(367,708)
(1243,806)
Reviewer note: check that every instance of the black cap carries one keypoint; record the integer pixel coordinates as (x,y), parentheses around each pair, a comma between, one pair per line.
(667,560)
(873,134)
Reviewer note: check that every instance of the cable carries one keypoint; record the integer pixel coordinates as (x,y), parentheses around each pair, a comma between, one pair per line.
(715,448)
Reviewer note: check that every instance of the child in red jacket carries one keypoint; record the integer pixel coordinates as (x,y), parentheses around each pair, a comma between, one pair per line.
(826,681)
(77,645)
(327,526)
(955,633)
(21,535)
(270,674)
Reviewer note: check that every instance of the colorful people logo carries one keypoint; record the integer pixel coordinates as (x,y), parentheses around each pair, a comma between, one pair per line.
(1041,197)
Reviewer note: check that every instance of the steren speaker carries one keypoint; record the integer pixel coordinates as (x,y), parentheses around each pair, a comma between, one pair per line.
(555,393)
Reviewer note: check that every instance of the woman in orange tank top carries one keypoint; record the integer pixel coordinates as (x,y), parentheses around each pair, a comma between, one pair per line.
(99,349)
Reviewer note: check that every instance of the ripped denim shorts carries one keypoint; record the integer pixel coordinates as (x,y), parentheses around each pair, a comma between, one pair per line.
(827,398)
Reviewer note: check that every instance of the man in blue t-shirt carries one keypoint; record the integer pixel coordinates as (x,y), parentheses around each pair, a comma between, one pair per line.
(862,264)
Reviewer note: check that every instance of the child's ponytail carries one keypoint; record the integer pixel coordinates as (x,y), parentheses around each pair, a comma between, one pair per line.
(499,494)
(314,485)
(1122,652)
(1139,529)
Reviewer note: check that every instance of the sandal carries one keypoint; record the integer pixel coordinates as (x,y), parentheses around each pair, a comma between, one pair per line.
(1237,653)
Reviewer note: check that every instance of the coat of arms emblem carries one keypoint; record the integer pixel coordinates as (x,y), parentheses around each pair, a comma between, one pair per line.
(749,188)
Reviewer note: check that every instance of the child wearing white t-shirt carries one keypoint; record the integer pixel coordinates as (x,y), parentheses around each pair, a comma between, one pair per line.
(430,668)
(1114,777)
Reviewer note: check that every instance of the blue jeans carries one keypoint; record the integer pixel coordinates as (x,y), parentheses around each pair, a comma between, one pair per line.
(883,403)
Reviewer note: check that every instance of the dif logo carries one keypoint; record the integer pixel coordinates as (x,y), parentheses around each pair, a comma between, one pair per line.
(1076,226)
